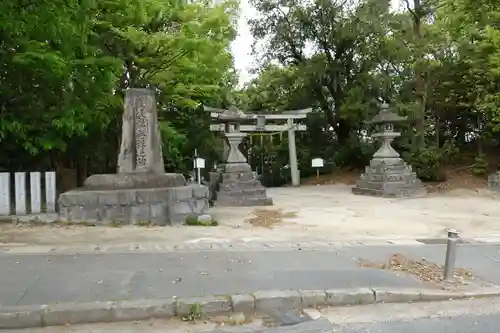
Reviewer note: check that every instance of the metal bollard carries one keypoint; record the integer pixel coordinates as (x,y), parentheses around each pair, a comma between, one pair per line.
(451,255)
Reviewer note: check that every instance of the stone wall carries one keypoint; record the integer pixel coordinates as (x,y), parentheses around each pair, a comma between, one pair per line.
(160,206)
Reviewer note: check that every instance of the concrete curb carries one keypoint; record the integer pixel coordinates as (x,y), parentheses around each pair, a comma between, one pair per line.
(261,301)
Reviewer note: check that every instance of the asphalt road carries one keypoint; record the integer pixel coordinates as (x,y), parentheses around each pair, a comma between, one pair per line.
(460,324)
(468,316)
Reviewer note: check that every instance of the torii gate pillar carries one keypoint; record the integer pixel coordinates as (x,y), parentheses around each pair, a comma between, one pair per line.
(294,169)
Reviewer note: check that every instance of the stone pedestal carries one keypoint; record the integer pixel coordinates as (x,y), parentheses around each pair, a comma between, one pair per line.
(494,181)
(160,205)
(236,184)
(390,180)
(141,192)
(239,186)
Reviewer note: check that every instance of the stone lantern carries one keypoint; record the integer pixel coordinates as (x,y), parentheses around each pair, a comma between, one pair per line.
(388,175)
(234,183)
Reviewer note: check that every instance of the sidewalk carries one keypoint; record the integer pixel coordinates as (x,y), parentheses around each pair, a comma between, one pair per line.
(45,279)
(328,213)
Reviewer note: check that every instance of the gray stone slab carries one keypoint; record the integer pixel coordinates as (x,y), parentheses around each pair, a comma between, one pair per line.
(313,298)
(286,317)
(277,299)
(78,313)
(133,181)
(208,305)
(21,317)
(243,303)
(388,295)
(144,309)
(342,297)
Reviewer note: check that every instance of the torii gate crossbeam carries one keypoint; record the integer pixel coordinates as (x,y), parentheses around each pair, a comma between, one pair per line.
(261,126)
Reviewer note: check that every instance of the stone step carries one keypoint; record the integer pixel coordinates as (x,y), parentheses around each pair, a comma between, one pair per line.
(378,177)
(391,170)
(402,193)
(231,177)
(241,194)
(387,186)
(244,202)
(242,185)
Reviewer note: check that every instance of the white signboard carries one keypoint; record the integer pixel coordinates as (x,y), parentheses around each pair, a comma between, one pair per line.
(317,162)
(199,163)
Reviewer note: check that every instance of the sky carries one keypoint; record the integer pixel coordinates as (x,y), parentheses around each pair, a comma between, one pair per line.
(242,46)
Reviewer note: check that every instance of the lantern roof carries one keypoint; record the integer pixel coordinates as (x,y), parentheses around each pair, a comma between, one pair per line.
(386,115)
(233,114)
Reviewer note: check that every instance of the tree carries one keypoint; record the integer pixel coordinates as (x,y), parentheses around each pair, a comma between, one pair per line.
(334,45)
(64,65)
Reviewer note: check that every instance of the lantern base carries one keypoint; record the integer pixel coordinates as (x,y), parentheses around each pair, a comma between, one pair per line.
(391,178)
(494,181)
(235,185)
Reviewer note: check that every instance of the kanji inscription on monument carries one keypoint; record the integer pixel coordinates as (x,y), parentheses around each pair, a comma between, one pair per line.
(141,132)
(140,149)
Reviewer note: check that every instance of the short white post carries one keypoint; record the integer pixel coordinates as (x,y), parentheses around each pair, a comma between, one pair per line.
(50,191)
(293,153)
(4,193)
(36,192)
(20,190)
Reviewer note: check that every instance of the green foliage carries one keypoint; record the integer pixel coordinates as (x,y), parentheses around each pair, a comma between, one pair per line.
(355,153)
(64,66)
(195,221)
(480,166)
(428,163)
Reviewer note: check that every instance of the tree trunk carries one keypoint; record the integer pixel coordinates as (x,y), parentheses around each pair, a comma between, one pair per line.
(420,85)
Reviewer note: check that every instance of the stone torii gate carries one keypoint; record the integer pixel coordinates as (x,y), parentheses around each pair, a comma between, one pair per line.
(291,127)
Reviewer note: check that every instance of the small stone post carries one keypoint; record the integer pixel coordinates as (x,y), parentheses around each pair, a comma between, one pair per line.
(388,175)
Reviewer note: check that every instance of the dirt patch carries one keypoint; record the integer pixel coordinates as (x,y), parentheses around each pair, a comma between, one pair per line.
(269,217)
(457,178)
(348,177)
(423,269)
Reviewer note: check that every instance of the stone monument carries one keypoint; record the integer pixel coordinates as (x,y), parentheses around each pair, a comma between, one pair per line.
(141,191)
(234,183)
(388,175)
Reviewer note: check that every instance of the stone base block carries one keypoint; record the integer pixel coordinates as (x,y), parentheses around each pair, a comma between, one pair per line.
(133,181)
(394,180)
(246,202)
(494,181)
(160,206)
(404,193)
(238,186)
